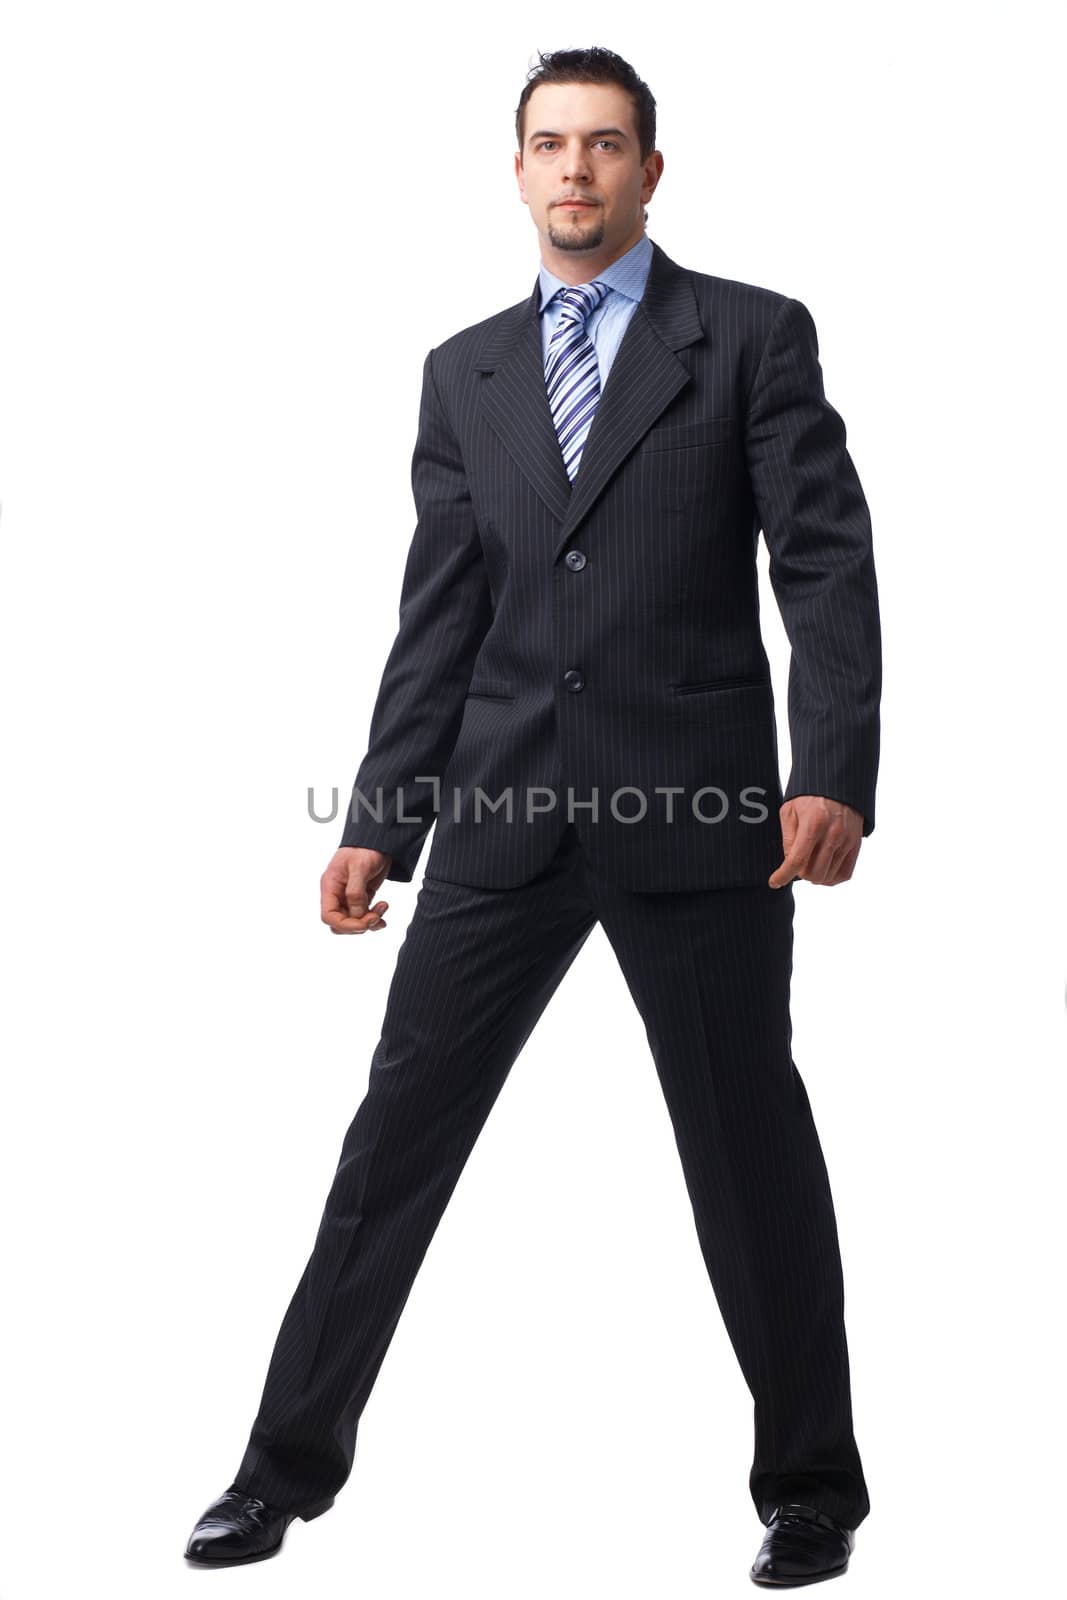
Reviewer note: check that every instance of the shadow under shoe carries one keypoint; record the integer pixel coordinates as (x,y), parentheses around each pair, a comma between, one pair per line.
(802,1545)
(240,1527)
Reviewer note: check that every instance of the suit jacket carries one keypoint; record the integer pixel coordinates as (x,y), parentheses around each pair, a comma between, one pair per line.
(561,643)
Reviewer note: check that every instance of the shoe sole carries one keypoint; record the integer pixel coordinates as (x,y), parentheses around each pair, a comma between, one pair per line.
(797,1583)
(262,1555)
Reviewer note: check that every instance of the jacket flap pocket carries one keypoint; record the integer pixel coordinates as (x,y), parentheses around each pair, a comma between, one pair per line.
(490,689)
(679,435)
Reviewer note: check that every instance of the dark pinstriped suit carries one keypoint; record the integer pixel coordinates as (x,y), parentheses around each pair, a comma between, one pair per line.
(604,637)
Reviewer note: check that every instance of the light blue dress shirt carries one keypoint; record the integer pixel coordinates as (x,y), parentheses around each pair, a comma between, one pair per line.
(626,278)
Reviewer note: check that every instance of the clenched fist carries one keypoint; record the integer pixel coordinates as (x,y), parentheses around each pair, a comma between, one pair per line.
(349,883)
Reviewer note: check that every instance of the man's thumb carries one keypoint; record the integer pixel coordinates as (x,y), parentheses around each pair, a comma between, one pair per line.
(356,896)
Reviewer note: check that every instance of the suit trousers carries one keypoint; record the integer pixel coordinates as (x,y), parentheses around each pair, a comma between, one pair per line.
(709,971)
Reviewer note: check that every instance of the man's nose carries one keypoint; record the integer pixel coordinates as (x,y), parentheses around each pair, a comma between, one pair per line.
(576,164)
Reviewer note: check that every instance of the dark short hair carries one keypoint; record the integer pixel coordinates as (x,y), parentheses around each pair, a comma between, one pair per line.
(594,65)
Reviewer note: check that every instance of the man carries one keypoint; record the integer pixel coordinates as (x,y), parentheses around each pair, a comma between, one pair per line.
(579,695)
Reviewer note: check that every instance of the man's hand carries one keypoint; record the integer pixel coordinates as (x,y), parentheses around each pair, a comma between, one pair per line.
(350,881)
(821,839)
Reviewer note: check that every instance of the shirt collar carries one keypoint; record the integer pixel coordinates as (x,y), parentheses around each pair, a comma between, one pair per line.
(626,275)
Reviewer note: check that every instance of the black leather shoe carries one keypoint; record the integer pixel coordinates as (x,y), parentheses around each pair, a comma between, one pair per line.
(240,1527)
(802,1545)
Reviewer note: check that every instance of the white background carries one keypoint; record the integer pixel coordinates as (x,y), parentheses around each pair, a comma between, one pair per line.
(230,234)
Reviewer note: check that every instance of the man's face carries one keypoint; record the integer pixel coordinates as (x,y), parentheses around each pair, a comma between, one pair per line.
(580,140)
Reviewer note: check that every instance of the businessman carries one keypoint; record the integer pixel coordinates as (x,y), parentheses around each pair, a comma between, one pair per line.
(578,701)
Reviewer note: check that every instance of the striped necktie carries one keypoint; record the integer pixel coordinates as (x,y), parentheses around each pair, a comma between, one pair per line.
(571,371)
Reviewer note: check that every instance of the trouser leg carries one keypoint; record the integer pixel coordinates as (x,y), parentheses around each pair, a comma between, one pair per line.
(474,972)
(710,974)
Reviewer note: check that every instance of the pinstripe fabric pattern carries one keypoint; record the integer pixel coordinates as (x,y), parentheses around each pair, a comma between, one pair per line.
(600,641)
(709,971)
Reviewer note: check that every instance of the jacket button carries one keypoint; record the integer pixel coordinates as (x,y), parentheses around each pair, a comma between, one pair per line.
(575,559)
(574,680)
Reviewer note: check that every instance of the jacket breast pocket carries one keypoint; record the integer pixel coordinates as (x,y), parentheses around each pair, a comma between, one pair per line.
(491,690)
(685,435)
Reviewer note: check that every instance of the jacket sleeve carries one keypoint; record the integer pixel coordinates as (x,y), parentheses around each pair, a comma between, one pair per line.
(818,531)
(445,612)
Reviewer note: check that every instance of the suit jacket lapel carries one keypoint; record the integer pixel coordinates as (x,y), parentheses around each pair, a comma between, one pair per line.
(645,376)
(515,401)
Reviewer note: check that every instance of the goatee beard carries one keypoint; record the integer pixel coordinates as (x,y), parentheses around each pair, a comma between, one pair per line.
(576,238)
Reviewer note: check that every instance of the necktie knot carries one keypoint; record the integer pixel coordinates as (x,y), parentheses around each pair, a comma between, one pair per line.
(580,300)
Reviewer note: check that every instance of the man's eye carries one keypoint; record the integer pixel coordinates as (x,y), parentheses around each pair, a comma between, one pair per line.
(544,143)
